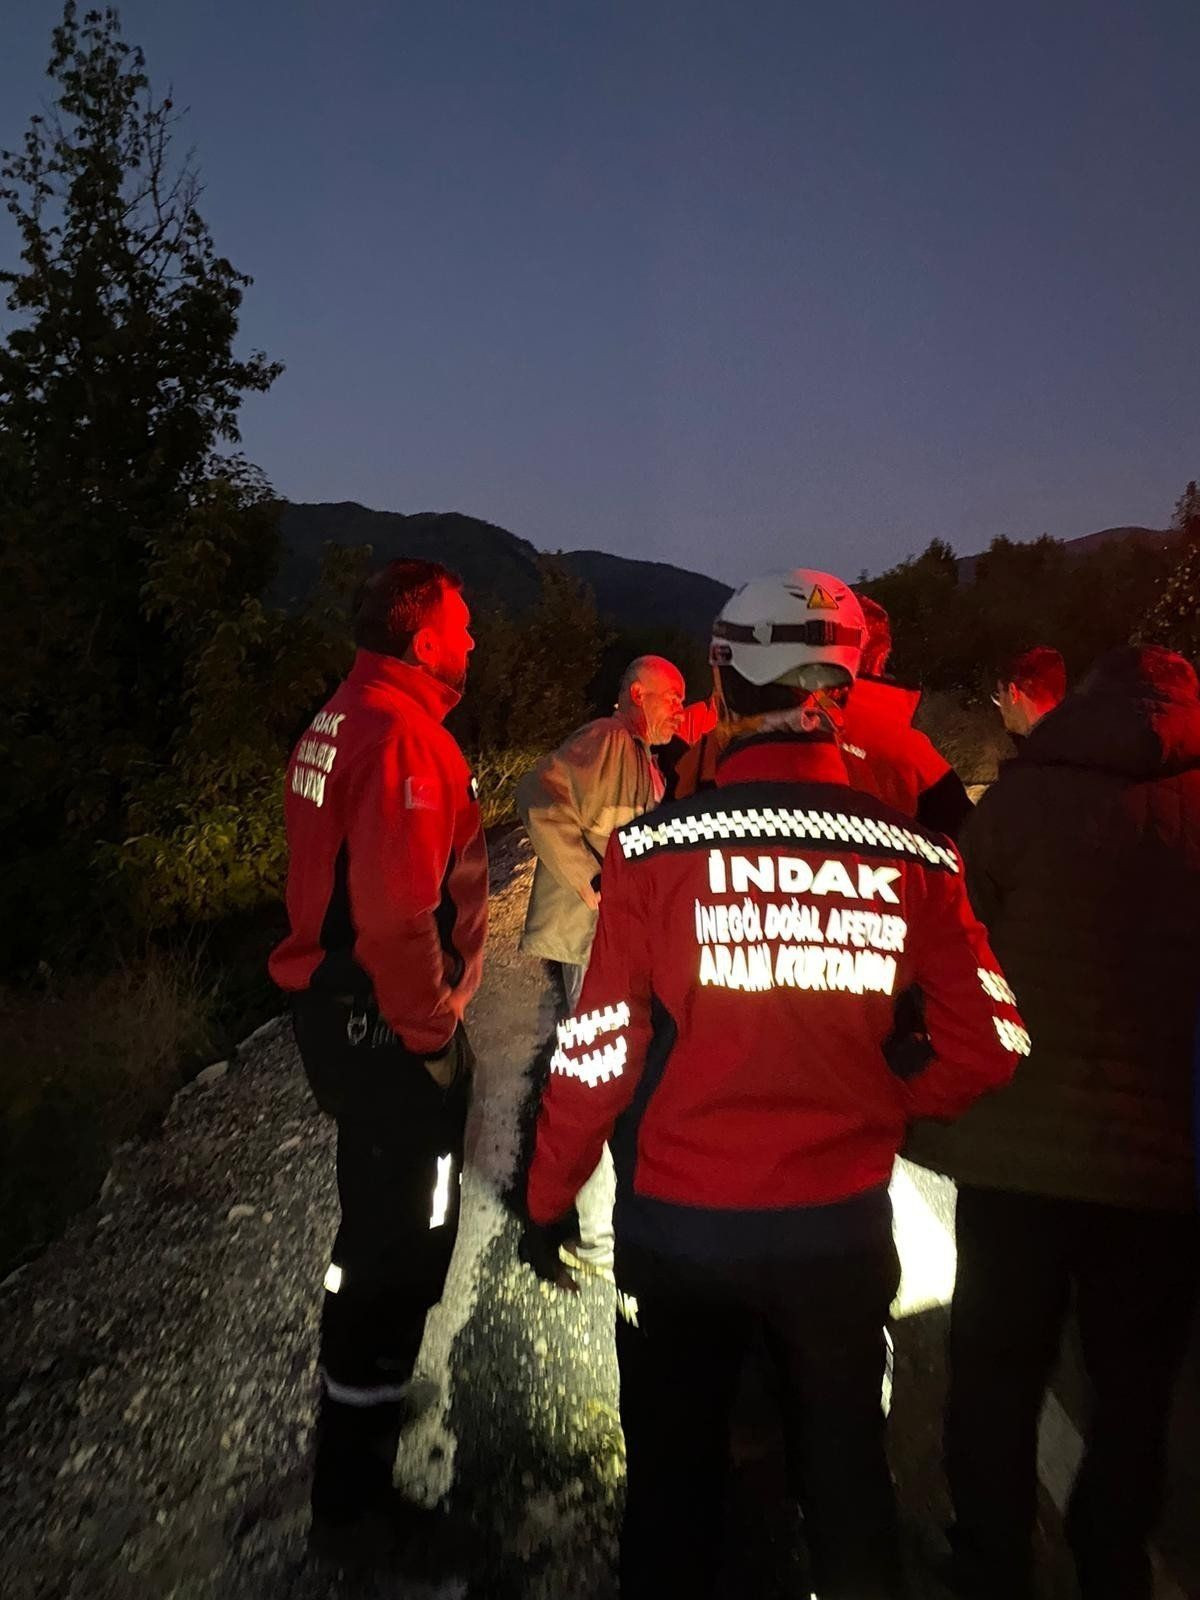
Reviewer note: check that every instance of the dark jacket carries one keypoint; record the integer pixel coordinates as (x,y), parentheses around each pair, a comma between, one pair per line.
(387,875)
(1083,860)
(741,991)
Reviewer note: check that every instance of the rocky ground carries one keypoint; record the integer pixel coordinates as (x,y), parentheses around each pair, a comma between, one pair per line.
(157,1382)
(156,1364)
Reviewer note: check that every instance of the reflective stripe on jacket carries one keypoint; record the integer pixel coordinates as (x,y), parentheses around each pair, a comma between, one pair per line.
(753,941)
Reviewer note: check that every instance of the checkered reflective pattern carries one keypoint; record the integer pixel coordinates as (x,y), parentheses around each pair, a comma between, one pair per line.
(826,827)
(995,986)
(1011,1036)
(586,1028)
(598,1066)
(595,1066)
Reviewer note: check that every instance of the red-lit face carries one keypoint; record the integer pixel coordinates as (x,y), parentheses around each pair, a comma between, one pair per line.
(1017,711)
(658,694)
(444,643)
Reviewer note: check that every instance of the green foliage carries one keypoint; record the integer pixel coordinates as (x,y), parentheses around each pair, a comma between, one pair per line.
(147,693)
(530,674)
(1173,619)
(497,773)
(206,836)
(921,596)
(1186,516)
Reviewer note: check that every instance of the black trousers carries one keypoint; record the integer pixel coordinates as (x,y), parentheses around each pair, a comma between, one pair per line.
(1133,1277)
(399,1158)
(822,1322)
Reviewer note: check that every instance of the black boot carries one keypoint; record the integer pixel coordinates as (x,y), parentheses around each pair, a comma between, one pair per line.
(355,1453)
(358,1518)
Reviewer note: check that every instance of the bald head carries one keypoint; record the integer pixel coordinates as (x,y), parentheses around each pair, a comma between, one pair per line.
(652,689)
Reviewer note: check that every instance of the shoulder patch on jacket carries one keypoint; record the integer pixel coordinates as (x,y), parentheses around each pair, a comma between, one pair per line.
(421,794)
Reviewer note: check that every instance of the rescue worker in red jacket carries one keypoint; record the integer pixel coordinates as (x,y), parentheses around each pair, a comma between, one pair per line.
(730,1040)
(907,769)
(387,904)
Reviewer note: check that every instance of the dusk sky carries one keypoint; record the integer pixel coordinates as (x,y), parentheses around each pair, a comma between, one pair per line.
(735,285)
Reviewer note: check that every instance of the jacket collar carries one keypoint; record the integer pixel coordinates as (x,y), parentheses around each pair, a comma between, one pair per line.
(883,697)
(632,719)
(374,671)
(783,759)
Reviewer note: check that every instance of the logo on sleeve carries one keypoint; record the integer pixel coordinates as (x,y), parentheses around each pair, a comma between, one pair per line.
(420,794)
(314,758)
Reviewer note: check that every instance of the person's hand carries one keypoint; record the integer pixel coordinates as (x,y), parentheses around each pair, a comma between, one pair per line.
(539,1249)
(590,897)
(443,1068)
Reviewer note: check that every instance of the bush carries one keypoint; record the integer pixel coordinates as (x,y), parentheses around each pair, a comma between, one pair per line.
(1173,618)
(496,774)
(84,1066)
(969,735)
(529,678)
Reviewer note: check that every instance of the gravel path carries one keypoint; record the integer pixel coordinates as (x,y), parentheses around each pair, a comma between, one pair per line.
(157,1363)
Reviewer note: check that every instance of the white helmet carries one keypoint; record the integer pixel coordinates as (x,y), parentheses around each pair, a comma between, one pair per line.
(771,628)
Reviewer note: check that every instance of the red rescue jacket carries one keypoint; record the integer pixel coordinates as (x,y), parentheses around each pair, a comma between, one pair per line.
(752,944)
(387,878)
(906,768)
(699,718)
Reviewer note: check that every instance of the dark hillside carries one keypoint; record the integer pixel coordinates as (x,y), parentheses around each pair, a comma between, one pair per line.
(498,567)
(648,593)
(495,565)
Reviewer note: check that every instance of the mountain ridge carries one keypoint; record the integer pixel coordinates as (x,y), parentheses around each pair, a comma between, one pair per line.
(500,568)
(496,566)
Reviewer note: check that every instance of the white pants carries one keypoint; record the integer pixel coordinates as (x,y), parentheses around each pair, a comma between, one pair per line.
(594,1202)
(594,1208)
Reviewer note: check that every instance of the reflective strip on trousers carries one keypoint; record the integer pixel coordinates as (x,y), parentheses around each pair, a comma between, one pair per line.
(440,1201)
(375,1394)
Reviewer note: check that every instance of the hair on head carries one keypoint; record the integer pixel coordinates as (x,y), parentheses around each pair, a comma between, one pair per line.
(1040,673)
(394,603)
(877,646)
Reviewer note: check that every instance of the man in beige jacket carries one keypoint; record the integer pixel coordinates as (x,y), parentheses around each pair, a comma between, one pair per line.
(601,777)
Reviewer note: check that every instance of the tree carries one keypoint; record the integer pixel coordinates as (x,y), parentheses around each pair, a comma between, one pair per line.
(142,680)
(530,674)
(528,684)
(1174,617)
(1187,513)
(924,602)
